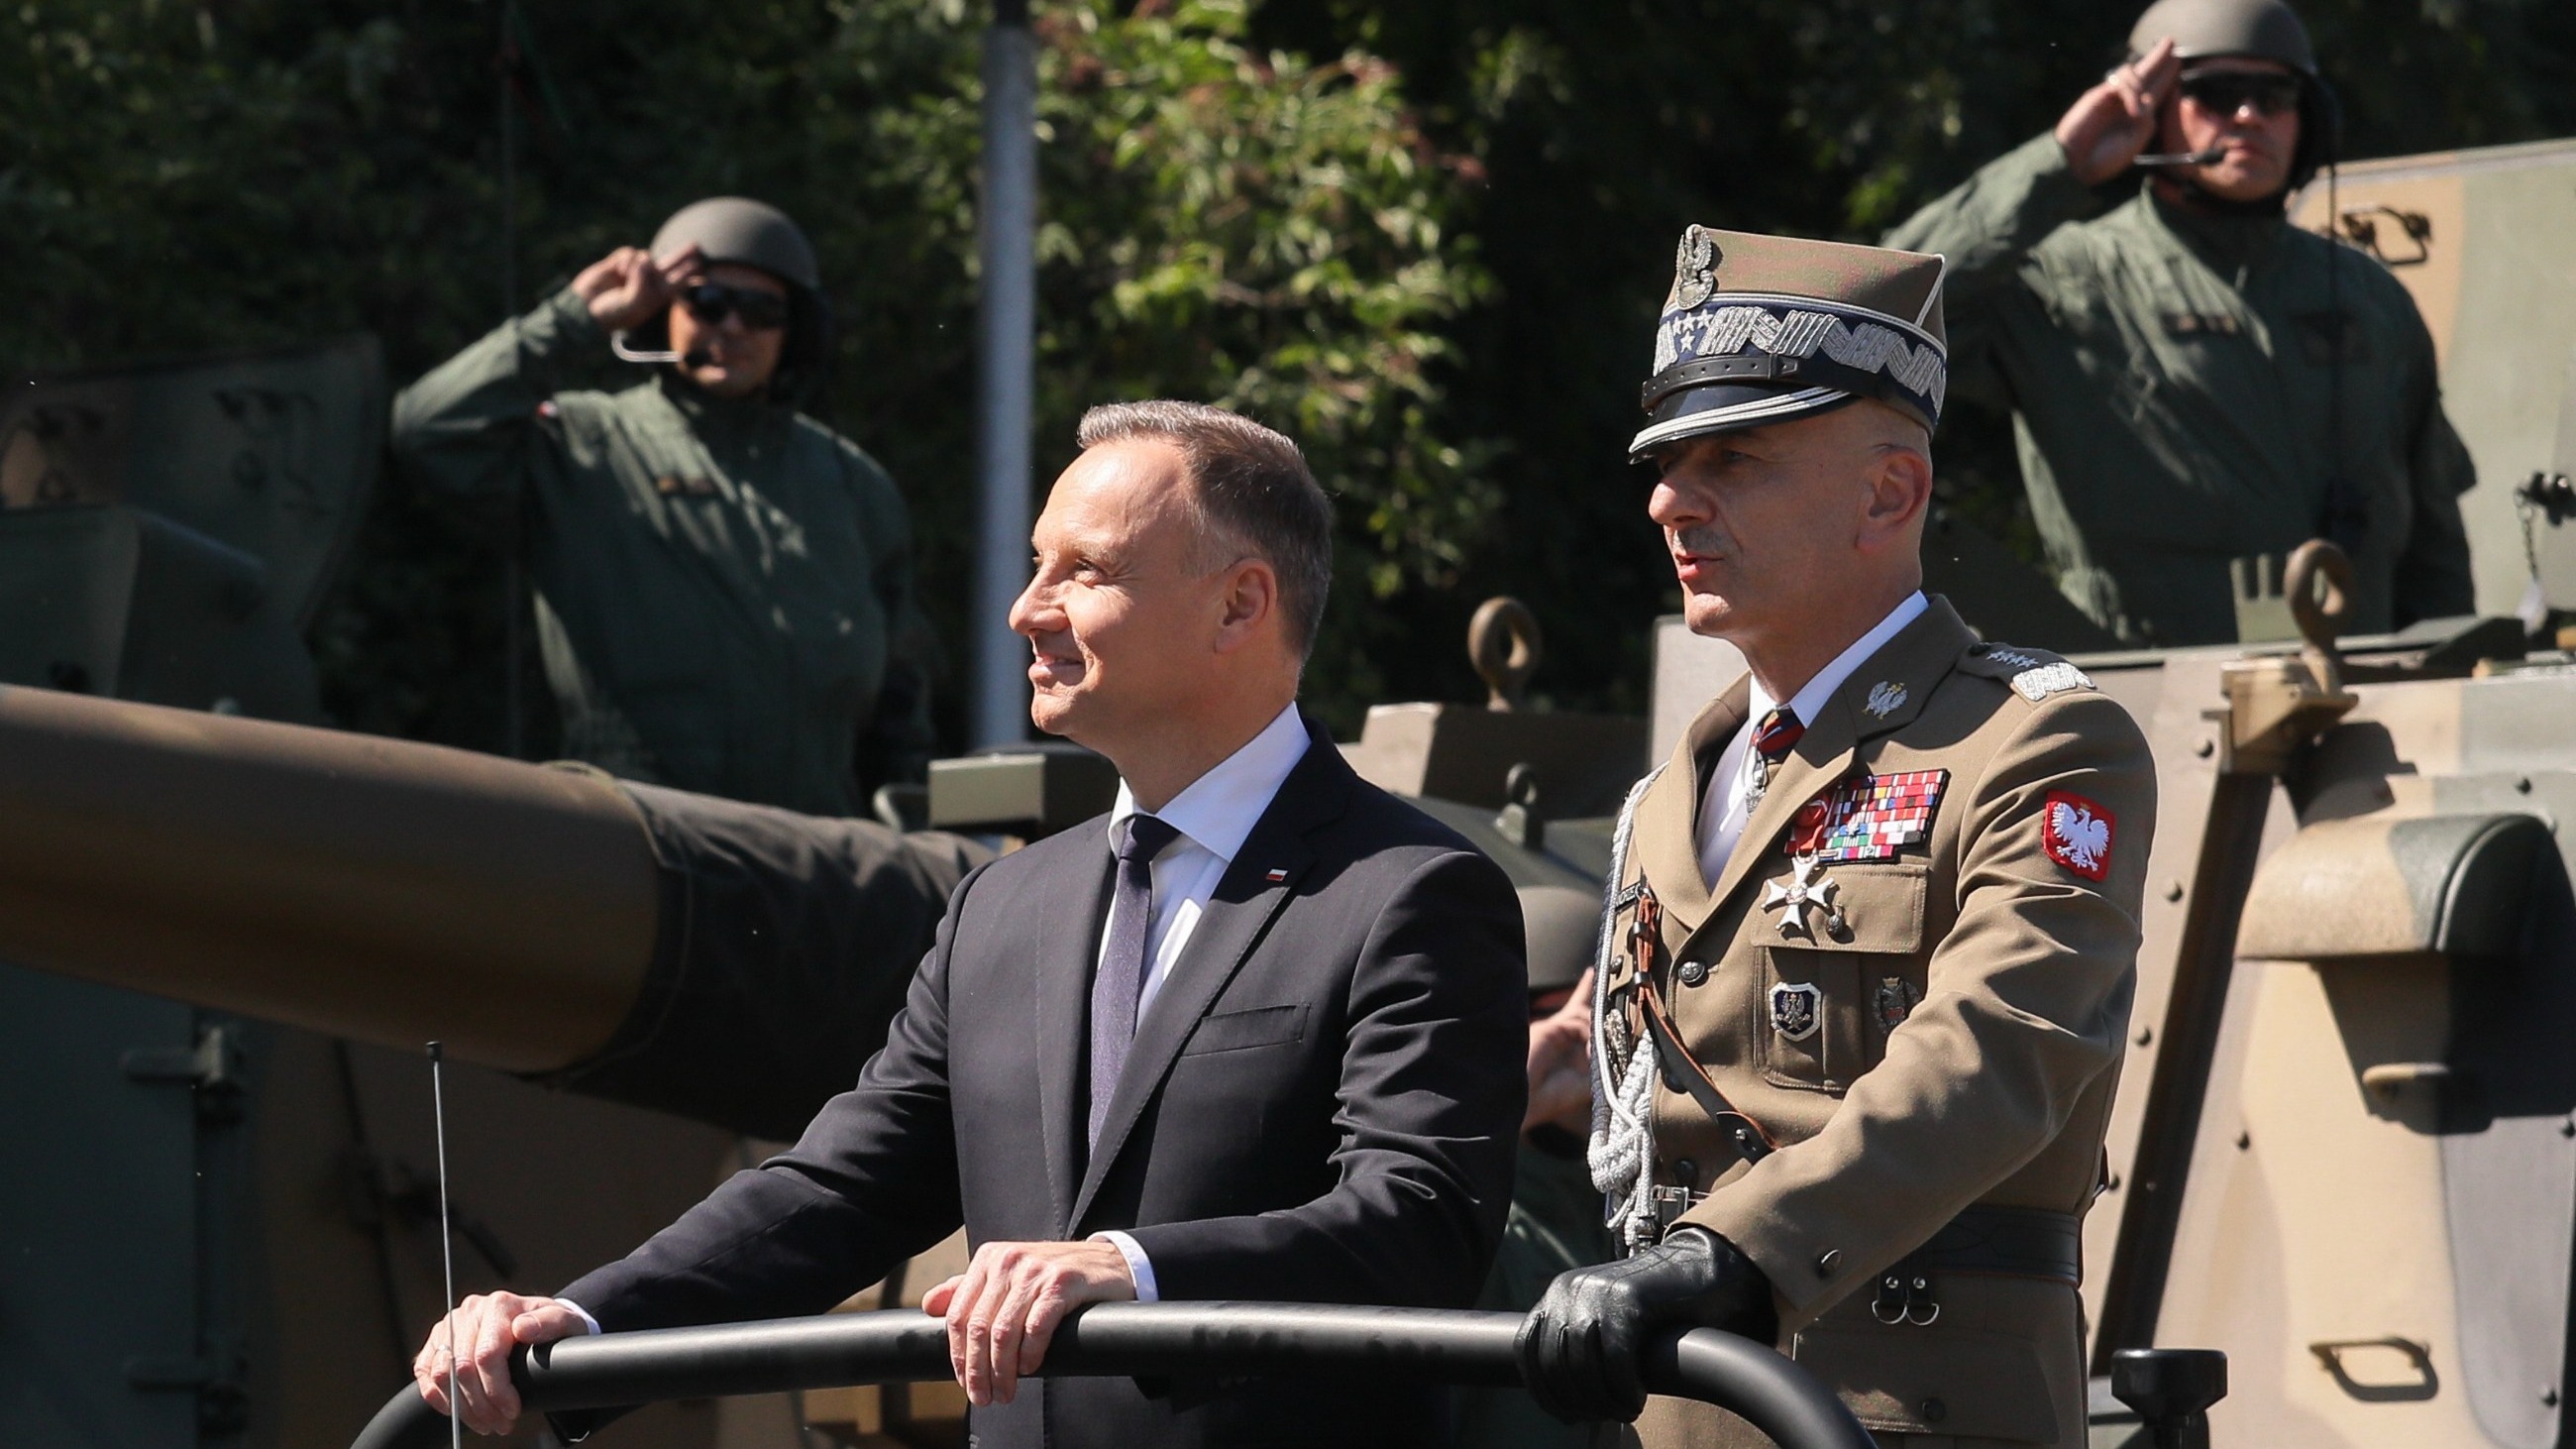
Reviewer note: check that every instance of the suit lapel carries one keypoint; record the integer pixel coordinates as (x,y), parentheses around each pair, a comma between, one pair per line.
(1247,898)
(1066,961)
(1885,693)
(1666,833)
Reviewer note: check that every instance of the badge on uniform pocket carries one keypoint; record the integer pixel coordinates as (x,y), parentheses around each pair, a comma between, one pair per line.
(1796,1010)
(1897,999)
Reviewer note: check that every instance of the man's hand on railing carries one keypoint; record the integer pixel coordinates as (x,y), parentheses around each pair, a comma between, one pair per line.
(484,1328)
(1003,1310)
(1579,1348)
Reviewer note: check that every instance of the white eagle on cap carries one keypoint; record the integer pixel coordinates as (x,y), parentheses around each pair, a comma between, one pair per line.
(2083,835)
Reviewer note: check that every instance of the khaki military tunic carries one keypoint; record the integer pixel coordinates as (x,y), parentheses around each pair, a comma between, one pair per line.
(1944,1032)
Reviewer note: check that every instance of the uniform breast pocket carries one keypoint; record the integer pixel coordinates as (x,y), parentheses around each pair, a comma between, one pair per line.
(1826,997)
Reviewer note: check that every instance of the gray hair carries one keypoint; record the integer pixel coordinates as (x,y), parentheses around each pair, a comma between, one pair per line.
(1254,492)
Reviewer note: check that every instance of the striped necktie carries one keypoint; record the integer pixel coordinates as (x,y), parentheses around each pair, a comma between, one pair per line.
(1773,739)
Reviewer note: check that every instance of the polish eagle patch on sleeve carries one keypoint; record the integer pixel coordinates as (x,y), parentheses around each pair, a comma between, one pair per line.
(2077,834)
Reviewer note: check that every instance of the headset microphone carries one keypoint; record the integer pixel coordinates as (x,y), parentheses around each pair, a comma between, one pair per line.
(617,344)
(2209,157)
(694,357)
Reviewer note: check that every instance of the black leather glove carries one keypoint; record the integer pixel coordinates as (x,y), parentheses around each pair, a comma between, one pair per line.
(1579,1347)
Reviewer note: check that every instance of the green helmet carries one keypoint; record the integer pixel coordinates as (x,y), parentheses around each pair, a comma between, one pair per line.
(752,233)
(2259,30)
(2262,29)
(739,229)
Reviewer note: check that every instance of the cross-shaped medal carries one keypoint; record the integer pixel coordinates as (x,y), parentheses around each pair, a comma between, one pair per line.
(1803,891)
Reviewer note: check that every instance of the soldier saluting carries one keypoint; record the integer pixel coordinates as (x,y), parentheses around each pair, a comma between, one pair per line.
(724,586)
(2193,379)
(1873,927)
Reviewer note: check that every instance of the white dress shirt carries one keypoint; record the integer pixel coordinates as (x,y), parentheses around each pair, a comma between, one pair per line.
(1214,815)
(1728,803)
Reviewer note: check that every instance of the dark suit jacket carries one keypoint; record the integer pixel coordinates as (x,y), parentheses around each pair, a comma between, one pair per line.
(1321,1105)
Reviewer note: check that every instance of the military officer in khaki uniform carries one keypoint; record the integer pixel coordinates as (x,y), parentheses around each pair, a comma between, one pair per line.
(1872,928)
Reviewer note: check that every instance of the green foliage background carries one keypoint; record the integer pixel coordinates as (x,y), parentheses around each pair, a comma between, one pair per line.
(1425,236)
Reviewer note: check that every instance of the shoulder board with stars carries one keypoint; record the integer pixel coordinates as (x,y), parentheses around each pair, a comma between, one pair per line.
(2034,674)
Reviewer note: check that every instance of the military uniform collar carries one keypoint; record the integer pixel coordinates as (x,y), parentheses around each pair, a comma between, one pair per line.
(1883,693)
(2227,242)
(1810,700)
(704,409)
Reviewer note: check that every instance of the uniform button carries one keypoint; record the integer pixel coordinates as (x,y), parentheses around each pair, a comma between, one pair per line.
(1693,972)
(1829,1262)
(1686,1172)
(1934,1411)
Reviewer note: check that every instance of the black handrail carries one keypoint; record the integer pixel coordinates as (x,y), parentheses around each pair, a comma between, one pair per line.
(1118,1339)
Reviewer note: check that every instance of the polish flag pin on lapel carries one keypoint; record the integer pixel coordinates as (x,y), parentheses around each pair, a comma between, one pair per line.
(1275,877)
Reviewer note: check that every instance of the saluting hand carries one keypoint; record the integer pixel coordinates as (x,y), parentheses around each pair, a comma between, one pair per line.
(486,1327)
(1004,1309)
(2110,124)
(627,288)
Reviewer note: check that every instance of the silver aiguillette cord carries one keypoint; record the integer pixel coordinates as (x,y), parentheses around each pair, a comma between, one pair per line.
(446,1243)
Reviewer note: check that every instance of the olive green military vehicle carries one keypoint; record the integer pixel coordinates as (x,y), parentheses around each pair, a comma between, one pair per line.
(2345,1153)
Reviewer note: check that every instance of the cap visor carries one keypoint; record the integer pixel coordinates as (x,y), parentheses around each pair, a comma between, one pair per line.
(1730,408)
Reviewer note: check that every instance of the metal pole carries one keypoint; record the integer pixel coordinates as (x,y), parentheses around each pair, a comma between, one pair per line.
(1007,211)
(1203,1340)
(513,650)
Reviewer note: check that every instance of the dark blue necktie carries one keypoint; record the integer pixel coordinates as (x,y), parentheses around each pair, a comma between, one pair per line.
(1120,981)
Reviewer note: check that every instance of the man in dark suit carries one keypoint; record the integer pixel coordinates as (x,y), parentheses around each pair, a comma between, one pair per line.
(1256,1035)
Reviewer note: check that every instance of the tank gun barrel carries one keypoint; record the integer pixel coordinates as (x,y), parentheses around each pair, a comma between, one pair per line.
(365,887)
(733,963)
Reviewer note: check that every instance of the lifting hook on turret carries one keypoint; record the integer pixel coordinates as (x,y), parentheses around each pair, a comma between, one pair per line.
(2276,705)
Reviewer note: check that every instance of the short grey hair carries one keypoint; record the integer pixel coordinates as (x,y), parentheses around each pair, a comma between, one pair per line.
(1254,492)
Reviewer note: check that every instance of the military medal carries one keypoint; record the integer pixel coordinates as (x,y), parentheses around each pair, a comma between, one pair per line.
(1802,891)
(1869,817)
(1807,827)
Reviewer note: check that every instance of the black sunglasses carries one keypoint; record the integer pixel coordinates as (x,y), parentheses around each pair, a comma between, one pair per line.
(2225,93)
(710,301)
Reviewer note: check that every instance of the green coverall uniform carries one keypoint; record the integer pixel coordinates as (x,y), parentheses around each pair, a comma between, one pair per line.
(724,586)
(2183,395)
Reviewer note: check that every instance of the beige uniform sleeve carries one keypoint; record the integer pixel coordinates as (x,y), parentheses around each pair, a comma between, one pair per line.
(2026,1003)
